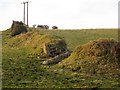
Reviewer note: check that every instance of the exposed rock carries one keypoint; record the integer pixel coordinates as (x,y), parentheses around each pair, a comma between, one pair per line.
(54,27)
(56,48)
(57,58)
(43,26)
(17,28)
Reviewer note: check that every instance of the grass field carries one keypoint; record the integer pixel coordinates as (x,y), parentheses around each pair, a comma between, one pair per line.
(78,37)
(20,71)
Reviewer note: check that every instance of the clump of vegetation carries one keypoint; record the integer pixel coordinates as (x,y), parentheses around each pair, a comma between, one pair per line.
(17,28)
(33,42)
(99,57)
(36,42)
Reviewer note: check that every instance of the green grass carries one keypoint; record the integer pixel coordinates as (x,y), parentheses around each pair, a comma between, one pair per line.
(79,37)
(21,71)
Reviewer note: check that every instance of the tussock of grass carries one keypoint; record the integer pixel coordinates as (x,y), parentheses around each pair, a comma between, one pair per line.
(99,57)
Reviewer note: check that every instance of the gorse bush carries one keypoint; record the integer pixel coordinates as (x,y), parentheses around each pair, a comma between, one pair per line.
(100,57)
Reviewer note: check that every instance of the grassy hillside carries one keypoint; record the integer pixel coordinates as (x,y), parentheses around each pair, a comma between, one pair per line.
(79,37)
(22,71)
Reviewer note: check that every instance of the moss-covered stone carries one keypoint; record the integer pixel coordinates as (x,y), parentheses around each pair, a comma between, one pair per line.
(17,28)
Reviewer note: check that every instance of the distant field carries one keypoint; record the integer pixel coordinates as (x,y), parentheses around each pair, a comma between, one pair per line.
(20,71)
(78,37)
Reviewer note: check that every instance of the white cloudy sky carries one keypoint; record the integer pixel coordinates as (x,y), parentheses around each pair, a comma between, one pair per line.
(62,13)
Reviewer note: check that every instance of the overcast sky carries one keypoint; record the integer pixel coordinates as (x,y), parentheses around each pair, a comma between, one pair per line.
(66,14)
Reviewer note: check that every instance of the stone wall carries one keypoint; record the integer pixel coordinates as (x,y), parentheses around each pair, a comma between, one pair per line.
(52,50)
